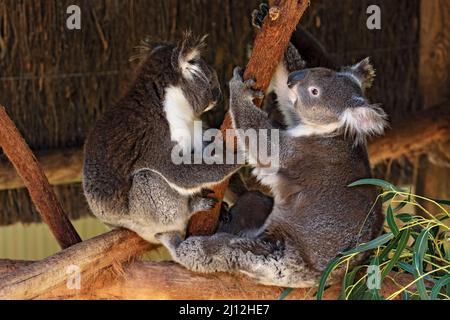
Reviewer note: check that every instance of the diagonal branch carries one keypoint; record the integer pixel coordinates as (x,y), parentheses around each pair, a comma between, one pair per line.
(20,155)
(268,51)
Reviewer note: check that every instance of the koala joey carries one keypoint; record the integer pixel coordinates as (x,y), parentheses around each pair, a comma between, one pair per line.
(129,177)
(315,216)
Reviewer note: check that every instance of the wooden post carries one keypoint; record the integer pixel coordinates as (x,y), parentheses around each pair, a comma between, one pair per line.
(268,51)
(42,194)
(434,80)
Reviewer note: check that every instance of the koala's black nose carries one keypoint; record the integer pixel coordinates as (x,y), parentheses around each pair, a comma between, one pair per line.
(295,77)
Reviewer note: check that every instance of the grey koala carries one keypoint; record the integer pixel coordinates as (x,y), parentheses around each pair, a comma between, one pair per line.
(129,177)
(247,215)
(315,216)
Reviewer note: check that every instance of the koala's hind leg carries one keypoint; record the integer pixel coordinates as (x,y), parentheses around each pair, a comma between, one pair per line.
(153,206)
(261,260)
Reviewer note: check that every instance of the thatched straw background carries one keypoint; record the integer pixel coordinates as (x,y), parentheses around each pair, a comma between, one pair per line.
(56,82)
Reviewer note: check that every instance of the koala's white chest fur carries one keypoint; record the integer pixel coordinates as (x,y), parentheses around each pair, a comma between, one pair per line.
(181,118)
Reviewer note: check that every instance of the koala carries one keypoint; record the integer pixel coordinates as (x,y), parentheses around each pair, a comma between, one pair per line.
(247,215)
(315,216)
(129,177)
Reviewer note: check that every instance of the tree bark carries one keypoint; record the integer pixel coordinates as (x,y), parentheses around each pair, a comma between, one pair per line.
(413,135)
(268,50)
(89,257)
(41,192)
(61,166)
(166,280)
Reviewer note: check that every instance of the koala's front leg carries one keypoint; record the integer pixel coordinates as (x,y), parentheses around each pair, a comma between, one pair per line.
(244,114)
(249,120)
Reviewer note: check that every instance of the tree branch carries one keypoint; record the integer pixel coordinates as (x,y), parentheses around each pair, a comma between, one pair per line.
(20,155)
(167,280)
(268,50)
(90,257)
(413,135)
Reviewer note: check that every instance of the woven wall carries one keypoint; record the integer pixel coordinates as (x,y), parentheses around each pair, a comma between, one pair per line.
(55,82)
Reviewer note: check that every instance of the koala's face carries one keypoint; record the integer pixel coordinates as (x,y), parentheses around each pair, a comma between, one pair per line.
(198,80)
(323,97)
(201,86)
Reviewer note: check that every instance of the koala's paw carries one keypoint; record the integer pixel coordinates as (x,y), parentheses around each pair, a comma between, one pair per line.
(202,203)
(241,88)
(258,15)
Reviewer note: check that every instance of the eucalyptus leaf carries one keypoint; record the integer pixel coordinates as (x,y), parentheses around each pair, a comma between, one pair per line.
(375,182)
(285,293)
(375,243)
(420,247)
(391,221)
(444,281)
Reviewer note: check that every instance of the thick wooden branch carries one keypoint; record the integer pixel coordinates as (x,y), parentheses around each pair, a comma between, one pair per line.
(60,167)
(90,257)
(413,135)
(268,50)
(41,192)
(166,280)
(12,265)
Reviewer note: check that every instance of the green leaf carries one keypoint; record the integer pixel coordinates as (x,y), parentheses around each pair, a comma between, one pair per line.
(373,295)
(404,217)
(375,182)
(407,267)
(444,281)
(348,280)
(406,295)
(384,254)
(323,280)
(358,292)
(403,240)
(391,221)
(285,293)
(420,247)
(388,196)
(375,243)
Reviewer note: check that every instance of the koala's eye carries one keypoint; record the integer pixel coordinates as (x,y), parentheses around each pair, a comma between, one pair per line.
(314,91)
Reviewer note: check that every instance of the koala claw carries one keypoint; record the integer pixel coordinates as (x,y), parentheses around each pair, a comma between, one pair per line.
(249,83)
(258,15)
(210,203)
(205,204)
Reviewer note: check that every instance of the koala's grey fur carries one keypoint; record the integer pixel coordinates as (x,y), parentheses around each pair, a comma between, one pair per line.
(129,178)
(315,215)
(247,215)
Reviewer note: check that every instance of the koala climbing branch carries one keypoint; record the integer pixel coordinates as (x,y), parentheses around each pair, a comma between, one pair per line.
(268,51)
(41,192)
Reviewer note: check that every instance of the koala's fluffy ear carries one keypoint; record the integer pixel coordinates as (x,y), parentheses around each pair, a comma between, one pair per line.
(363,72)
(187,53)
(363,121)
